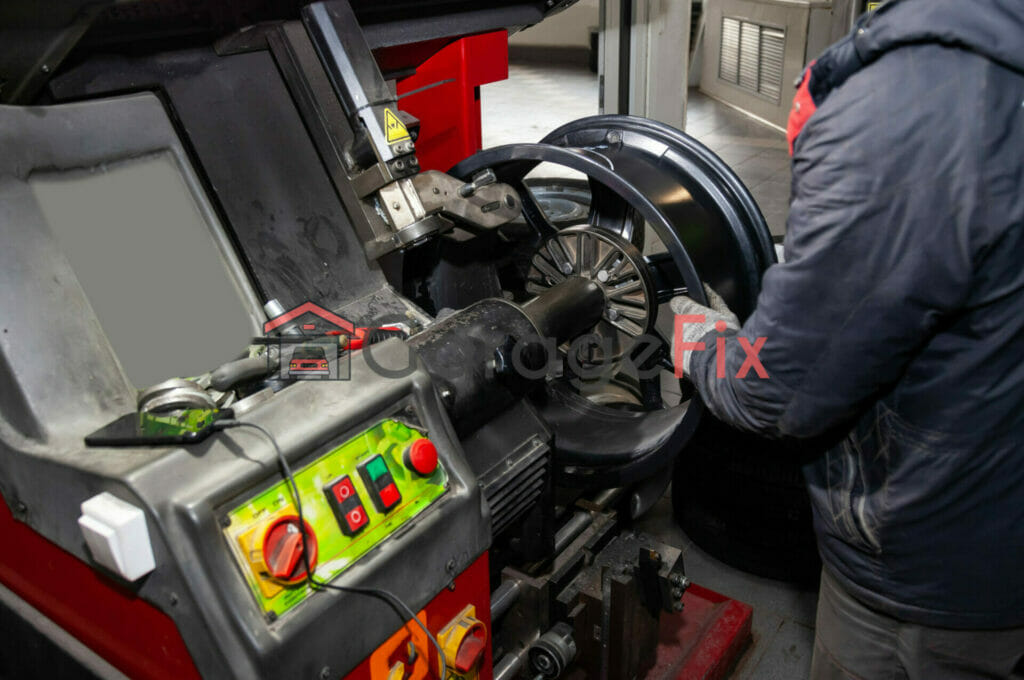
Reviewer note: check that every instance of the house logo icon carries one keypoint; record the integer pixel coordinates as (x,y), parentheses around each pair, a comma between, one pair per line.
(310,343)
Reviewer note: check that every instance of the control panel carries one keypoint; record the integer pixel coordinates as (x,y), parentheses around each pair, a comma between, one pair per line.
(353,498)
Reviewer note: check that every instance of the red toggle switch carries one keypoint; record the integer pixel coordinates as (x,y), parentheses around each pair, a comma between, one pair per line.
(464,641)
(470,651)
(421,457)
(282,549)
(286,556)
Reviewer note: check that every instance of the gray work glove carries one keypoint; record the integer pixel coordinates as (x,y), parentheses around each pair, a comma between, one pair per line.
(693,331)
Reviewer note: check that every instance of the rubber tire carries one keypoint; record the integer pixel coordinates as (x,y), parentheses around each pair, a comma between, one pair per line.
(743,500)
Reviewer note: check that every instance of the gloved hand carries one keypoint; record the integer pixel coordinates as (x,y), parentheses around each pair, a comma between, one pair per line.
(693,331)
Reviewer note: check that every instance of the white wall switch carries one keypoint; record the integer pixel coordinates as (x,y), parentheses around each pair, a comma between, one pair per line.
(117,536)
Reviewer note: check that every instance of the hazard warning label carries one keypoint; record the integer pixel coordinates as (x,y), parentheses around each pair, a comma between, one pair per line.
(394,127)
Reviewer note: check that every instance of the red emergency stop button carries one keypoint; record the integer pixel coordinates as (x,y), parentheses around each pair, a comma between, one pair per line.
(421,457)
(282,549)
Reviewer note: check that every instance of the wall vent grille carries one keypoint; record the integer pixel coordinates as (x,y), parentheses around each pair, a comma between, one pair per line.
(752,57)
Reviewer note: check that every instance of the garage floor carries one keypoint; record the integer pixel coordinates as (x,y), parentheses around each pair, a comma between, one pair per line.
(535,100)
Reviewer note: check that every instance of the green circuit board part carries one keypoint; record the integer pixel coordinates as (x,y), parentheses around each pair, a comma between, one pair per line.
(336,551)
(187,420)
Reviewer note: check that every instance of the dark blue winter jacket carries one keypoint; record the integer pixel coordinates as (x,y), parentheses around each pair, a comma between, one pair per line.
(899,313)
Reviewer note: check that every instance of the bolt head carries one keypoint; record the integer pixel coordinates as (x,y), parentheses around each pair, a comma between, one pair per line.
(566,268)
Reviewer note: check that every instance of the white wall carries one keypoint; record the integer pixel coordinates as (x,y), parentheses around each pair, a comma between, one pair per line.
(570,28)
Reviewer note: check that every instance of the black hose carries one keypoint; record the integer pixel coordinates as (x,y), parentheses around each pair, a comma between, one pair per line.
(235,372)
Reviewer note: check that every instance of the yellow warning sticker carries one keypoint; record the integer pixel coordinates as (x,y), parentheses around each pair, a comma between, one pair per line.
(394,127)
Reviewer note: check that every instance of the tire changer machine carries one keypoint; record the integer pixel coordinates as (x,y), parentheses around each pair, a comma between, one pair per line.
(459,499)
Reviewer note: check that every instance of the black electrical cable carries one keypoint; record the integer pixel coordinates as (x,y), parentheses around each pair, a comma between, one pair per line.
(286,471)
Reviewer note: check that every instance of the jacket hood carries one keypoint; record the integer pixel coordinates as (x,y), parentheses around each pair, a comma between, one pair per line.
(991,28)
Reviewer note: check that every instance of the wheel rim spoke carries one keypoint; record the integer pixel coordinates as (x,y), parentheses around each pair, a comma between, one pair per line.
(668,282)
(611,262)
(609,211)
(533,213)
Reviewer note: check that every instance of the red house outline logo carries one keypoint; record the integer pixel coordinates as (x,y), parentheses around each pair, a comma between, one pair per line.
(327,340)
(311,308)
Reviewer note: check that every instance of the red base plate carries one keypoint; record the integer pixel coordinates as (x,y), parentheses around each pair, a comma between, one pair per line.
(704,641)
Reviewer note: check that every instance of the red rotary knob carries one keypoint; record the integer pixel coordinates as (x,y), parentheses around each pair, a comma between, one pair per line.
(282,549)
(421,457)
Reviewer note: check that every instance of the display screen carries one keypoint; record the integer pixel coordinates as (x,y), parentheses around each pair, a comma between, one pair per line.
(149,264)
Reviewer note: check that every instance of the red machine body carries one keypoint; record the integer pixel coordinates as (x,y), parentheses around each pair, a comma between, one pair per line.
(130,633)
(143,643)
(444,94)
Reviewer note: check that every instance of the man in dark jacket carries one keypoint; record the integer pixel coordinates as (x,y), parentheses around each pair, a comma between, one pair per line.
(898,316)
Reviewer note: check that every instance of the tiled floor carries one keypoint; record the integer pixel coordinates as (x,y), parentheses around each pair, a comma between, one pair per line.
(537,99)
(756,152)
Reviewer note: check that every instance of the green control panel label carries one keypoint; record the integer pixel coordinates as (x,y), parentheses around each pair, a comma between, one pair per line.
(353,498)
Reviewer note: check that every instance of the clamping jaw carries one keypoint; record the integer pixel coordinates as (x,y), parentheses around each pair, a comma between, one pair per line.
(368,145)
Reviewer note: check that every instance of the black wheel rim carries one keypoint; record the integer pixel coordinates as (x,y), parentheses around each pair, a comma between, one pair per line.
(712,232)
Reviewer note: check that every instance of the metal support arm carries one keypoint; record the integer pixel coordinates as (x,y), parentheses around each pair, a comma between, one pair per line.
(365,143)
